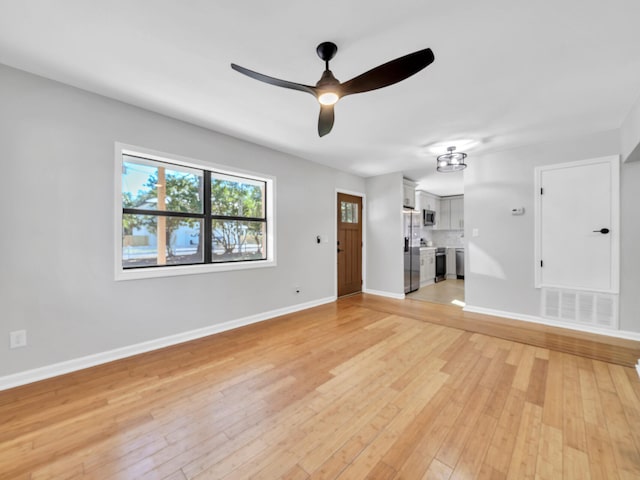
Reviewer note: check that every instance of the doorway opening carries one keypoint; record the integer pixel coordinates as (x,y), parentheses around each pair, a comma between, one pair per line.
(441,275)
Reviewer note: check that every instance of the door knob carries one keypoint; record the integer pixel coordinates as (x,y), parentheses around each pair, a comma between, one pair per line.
(339,250)
(604,231)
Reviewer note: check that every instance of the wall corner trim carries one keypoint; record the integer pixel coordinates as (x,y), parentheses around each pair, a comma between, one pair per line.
(380,293)
(625,334)
(61,368)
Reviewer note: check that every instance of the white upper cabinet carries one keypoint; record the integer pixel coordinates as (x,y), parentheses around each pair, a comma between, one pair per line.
(408,193)
(444,222)
(428,201)
(449,210)
(451,214)
(457,213)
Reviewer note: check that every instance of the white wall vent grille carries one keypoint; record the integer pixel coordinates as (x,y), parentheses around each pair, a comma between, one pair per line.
(584,308)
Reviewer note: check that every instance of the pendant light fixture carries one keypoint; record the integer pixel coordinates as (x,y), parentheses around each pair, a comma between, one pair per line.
(451,161)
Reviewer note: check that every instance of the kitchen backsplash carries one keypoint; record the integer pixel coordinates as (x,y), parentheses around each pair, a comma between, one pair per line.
(444,238)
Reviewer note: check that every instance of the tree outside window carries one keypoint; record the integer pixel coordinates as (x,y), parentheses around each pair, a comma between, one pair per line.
(170,218)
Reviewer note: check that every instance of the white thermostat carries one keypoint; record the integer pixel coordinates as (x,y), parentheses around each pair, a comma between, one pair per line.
(517,211)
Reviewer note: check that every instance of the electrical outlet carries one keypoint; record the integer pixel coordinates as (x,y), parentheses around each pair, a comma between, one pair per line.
(18,339)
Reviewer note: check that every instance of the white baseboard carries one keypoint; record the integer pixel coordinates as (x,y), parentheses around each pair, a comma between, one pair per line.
(638,367)
(381,293)
(49,371)
(571,326)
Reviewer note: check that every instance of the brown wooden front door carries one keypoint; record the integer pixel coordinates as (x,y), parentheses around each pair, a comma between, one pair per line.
(349,244)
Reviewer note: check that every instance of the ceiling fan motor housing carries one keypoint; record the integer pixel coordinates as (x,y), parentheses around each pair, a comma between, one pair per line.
(328,81)
(327,50)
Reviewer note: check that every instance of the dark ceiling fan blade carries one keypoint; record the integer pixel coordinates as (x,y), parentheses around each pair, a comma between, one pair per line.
(388,73)
(274,81)
(325,121)
(328,90)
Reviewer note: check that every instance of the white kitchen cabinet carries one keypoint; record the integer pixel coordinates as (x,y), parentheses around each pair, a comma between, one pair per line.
(457,213)
(431,266)
(408,193)
(427,201)
(427,266)
(444,222)
(451,214)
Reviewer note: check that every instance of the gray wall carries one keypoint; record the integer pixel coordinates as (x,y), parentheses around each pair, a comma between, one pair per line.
(384,234)
(500,268)
(56,205)
(630,246)
(630,135)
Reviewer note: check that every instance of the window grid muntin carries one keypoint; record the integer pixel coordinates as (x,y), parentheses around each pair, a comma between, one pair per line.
(205,216)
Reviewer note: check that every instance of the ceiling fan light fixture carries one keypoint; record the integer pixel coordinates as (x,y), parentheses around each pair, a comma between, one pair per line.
(328,98)
(451,161)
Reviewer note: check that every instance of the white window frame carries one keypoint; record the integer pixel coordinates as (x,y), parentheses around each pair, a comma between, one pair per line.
(121,273)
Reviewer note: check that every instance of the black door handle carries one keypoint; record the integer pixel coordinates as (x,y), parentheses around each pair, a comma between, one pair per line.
(604,231)
(339,250)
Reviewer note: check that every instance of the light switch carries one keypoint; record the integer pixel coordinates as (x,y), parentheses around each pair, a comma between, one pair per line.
(475,232)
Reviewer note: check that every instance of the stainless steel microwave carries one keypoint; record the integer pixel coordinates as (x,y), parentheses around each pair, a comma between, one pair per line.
(428,217)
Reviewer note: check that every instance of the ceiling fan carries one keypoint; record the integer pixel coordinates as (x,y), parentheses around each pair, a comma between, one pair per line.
(329,90)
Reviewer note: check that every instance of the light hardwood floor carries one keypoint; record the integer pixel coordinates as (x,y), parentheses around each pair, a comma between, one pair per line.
(362,388)
(444,292)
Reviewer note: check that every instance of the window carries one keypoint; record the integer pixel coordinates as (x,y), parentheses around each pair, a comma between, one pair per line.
(176,217)
(348,212)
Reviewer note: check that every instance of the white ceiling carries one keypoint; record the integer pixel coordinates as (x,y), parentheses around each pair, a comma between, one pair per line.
(507,73)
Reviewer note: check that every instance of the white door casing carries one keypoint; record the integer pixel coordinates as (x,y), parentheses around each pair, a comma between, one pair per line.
(574,201)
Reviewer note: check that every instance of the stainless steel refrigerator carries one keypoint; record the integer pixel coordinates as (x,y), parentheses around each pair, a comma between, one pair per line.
(411,220)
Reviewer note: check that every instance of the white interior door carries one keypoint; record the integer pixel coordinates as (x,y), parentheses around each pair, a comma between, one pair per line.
(578,225)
